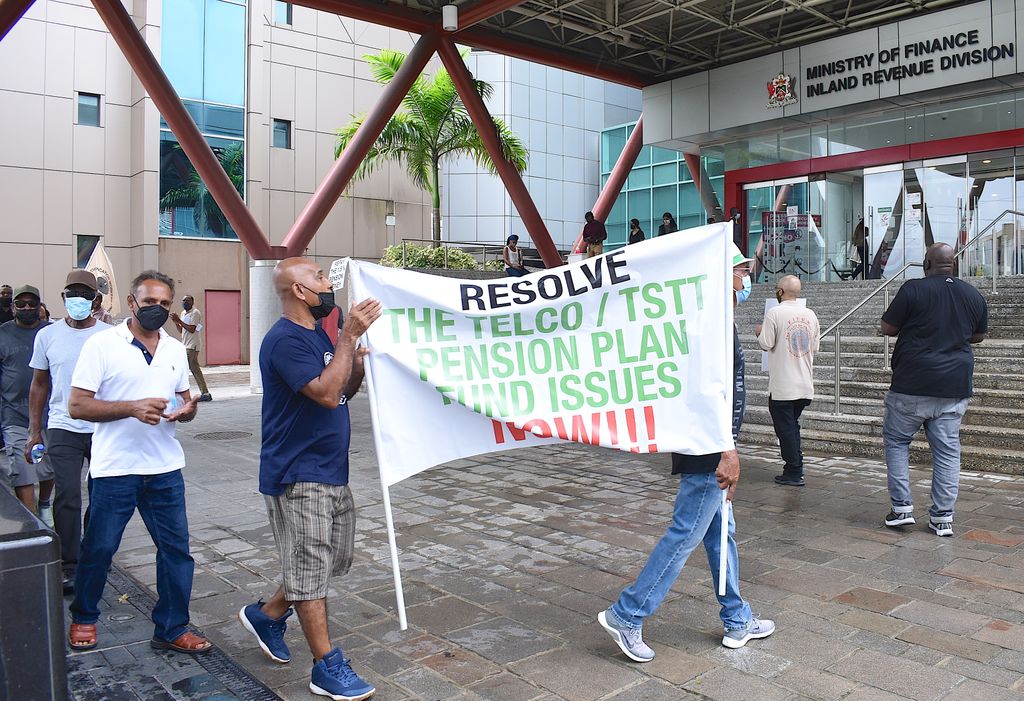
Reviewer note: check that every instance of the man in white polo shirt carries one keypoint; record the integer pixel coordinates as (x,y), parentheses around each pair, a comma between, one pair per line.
(132,380)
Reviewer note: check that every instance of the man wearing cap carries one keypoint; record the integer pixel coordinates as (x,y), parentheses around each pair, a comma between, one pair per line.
(697,518)
(189,325)
(68,441)
(16,339)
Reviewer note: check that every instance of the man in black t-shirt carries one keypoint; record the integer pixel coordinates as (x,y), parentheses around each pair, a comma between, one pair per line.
(935,321)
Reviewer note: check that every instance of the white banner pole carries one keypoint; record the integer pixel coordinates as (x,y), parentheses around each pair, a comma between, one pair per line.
(389,519)
(403,624)
(723,551)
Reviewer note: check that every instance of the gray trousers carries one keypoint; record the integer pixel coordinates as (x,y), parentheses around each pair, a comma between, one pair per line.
(68,452)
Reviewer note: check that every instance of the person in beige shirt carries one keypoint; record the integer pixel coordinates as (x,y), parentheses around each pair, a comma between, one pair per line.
(790,336)
(190,324)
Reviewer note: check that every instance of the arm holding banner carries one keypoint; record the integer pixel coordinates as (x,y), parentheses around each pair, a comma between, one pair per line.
(337,378)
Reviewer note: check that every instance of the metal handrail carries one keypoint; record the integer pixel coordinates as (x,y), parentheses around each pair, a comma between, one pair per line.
(835,329)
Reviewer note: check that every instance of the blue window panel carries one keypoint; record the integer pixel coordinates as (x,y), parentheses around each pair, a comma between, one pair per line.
(664,201)
(224,121)
(224,53)
(639,177)
(181,53)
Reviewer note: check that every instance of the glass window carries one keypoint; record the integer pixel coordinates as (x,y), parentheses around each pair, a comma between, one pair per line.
(181,46)
(282,13)
(224,54)
(665,174)
(282,136)
(186,206)
(661,155)
(88,109)
(613,142)
(84,246)
(664,200)
(219,120)
(639,177)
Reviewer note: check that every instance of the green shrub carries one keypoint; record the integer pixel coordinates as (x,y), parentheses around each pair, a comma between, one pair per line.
(428,257)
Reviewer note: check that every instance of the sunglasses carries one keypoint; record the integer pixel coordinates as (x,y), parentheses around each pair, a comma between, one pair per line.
(26,305)
(84,294)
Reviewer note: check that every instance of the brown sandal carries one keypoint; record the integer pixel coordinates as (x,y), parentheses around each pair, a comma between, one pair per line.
(82,636)
(188,643)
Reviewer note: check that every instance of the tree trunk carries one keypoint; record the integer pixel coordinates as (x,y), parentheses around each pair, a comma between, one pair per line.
(435,221)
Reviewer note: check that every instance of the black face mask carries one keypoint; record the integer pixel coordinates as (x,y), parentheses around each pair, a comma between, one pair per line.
(326,305)
(27,316)
(152,317)
(187,306)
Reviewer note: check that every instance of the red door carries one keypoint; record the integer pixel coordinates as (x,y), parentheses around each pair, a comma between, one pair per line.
(223,327)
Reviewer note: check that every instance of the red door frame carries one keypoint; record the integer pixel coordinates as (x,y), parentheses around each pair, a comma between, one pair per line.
(736,179)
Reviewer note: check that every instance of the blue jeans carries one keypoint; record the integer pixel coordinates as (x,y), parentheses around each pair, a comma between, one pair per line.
(160,500)
(941,417)
(697,517)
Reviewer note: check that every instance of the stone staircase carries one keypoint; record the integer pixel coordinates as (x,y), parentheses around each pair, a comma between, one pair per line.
(992,434)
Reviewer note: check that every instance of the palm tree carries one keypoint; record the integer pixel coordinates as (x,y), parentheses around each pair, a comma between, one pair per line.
(194,193)
(432,125)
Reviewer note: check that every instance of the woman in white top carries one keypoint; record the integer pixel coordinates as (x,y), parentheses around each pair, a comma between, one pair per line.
(513,257)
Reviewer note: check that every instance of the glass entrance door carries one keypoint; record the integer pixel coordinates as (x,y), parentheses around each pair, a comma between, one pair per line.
(783,233)
(882,216)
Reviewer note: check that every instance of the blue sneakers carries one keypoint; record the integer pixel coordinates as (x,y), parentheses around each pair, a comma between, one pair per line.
(269,632)
(334,678)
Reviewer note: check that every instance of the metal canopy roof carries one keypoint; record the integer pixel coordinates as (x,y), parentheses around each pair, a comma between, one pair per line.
(637,42)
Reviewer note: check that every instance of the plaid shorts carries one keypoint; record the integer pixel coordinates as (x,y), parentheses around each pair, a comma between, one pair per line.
(314,526)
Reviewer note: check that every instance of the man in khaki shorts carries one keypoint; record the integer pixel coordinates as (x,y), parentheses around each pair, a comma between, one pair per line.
(304,468)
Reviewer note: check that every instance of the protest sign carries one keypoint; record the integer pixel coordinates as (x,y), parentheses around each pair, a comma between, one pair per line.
(630,350)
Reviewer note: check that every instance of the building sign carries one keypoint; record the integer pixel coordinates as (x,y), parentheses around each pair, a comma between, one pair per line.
(780,91)
(900,62)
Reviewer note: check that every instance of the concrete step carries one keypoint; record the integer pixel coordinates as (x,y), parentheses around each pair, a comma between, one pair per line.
(858,427)
(830,443)
(1008,399)
(982,363)
(874,407)
(826,372)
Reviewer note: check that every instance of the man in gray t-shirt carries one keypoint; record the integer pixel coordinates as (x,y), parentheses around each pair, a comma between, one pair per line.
(68,441)
(16,339)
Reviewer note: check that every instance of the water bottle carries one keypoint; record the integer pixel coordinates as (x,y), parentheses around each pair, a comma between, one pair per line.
(38,451)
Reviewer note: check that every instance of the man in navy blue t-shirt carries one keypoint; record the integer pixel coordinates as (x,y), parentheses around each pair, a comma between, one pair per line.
(935,321)
(307,383)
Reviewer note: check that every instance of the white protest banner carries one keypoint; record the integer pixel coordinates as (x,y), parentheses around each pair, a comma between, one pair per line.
(629,350)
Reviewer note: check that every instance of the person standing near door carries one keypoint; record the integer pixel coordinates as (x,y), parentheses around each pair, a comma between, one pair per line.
(189,325)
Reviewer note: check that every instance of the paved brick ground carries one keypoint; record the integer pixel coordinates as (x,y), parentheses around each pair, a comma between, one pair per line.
(507,558)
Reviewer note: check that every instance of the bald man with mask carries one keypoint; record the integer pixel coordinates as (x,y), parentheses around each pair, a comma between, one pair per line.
(307,383)
(935,321)
(790,336)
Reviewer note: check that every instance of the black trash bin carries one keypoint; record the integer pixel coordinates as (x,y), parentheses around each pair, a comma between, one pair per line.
(32,662)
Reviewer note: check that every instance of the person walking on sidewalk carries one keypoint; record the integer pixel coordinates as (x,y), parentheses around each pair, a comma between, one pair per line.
(68,441)
(594,234)
(190,325)
(790,336)
(935,320)
(304,477)
(128,380)
(16,340)
(697,518)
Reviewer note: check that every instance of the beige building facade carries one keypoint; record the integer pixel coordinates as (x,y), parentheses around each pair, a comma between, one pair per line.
(83,153)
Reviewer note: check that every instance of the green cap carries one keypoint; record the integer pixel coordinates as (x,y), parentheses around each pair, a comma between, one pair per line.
(26,290)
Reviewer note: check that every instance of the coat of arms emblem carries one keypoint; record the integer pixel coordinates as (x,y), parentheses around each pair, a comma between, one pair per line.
(780,91)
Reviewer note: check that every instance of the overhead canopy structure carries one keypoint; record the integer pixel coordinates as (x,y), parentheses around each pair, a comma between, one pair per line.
(636,42)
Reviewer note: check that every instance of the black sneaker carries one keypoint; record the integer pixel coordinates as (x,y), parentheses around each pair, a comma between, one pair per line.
(943,528)
(205,397)
(895,519)
(790,480)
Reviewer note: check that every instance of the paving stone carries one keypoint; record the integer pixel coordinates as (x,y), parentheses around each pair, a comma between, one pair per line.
(949,643)
(461,666)
(676,666)
(727,684)
(992,538)
(423,683)
(908,679)
(870,599)
(1003,634)
(814,683)
(750,660)
(502,640)
(447,613)
(973,690)
(941,617)
(576,675)
(986,573)
(652,690)
(874,622)
(505,687)
(867,693)
(988,673)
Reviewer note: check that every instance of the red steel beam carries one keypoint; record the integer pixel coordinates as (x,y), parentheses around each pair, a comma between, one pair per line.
(148,69)
(401,17)
(707,193)
(484,9)
(338,177)
(10,12)
(617,178)
(463,81)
